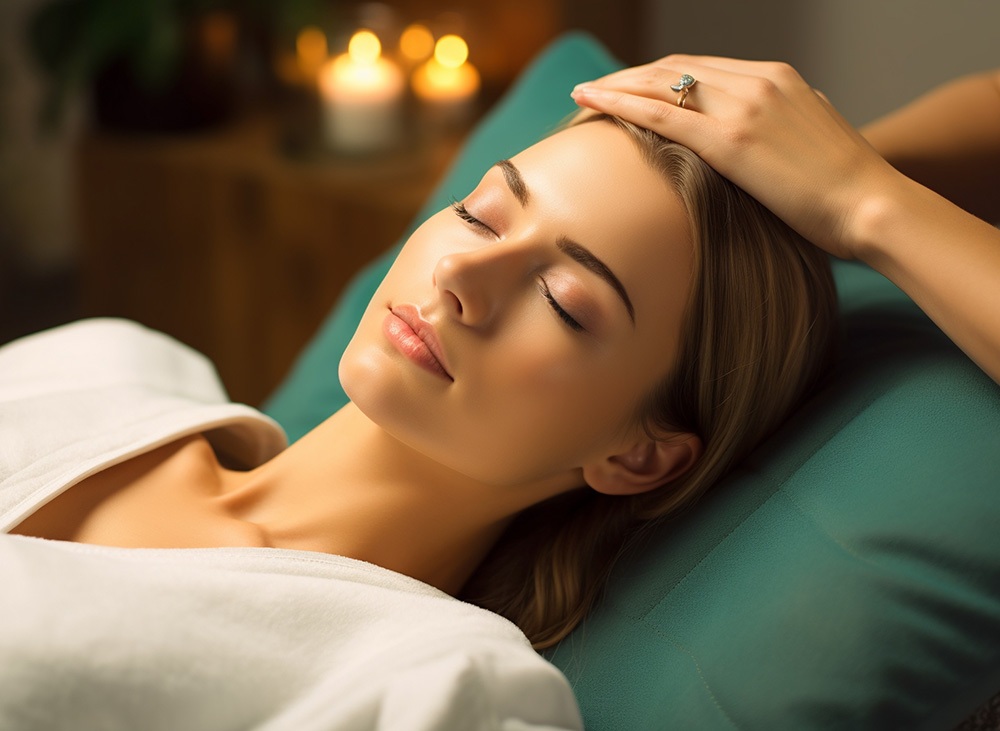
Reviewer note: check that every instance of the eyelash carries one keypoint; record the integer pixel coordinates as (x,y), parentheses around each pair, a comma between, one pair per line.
(461,211)
(563,315)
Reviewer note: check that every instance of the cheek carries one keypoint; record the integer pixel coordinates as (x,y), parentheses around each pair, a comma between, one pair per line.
(434,238)
(539,412)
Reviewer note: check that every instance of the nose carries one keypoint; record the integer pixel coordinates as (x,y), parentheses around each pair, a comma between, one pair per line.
(475,285)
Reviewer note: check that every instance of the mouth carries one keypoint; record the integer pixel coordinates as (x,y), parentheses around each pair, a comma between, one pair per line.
(415,339)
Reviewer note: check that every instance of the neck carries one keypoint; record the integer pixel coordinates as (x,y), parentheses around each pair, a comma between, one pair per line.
(351,489)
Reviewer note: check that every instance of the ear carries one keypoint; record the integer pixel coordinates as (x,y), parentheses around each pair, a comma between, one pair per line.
(646,465)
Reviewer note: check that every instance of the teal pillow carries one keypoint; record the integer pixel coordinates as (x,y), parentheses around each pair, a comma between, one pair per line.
(847,575)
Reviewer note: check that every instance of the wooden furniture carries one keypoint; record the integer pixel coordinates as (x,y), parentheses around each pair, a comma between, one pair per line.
(232,247)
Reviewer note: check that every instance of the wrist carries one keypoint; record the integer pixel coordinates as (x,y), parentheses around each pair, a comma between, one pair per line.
(880,216)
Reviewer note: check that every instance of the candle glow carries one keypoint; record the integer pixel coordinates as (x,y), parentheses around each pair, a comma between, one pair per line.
(362,93)
(447,80)
(451,51)
(364,47)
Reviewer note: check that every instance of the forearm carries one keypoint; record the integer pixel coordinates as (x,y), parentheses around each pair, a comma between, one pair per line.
(946,260)
(949,140)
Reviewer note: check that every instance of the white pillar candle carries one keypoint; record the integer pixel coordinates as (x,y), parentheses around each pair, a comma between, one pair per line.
(361,95)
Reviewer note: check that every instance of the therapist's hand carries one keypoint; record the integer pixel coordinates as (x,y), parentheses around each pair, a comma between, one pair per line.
(763,127)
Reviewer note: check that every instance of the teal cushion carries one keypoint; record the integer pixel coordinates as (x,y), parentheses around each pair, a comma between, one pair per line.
(847,575)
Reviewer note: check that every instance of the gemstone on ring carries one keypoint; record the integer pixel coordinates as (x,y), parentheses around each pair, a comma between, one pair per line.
(685,82)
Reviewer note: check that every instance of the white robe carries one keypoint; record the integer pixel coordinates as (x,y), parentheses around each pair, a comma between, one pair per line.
(96,637)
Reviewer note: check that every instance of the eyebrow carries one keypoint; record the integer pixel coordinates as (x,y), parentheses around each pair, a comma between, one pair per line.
(582,255)
(575,251)
(515,181)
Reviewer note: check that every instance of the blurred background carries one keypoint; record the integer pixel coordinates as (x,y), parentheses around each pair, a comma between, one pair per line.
(218,169)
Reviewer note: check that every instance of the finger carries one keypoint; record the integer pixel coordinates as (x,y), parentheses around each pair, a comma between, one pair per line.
(728,74)
(684,62)
(666,118)
(715,91)
(647,80)
(742,67)
(656,81)
(678,60)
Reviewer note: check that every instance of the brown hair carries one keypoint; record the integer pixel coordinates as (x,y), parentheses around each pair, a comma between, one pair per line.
(759,333)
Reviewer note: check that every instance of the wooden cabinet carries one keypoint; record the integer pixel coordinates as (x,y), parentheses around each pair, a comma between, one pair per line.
(230,246)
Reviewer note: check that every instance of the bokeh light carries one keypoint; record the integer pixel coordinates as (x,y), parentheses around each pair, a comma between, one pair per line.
(416,42)
(364,47)
(451,51)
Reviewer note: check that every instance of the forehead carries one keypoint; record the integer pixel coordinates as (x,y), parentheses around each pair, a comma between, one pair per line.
(592,180)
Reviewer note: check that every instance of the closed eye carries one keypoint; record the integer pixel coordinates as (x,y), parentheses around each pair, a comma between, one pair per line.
(463,213)
(557,308)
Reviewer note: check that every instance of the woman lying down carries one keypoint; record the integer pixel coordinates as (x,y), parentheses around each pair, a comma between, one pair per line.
(582,345)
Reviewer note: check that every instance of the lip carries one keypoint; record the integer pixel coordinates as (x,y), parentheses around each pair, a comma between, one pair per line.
(416,339)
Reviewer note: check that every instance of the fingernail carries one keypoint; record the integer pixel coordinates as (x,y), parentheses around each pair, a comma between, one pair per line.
(585,89)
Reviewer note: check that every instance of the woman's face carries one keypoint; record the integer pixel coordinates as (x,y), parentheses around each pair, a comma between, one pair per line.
(554,292)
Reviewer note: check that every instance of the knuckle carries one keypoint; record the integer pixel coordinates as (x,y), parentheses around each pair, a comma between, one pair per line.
(783,70)
(736,137)
(764,89)
(614,98)
(657,114)
(784,74)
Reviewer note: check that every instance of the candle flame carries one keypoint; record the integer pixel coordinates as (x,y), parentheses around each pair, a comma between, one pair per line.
(416,42)
(364,47)
(451,51)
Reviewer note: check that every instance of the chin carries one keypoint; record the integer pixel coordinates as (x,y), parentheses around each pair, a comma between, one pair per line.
(376,385)
(361,374)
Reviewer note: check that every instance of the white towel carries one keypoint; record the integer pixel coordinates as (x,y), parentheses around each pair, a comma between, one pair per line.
(111,638)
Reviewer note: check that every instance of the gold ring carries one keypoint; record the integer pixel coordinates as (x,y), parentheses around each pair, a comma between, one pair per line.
(683,85)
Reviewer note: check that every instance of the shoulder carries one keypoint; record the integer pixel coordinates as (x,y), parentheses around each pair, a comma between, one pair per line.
(81,397)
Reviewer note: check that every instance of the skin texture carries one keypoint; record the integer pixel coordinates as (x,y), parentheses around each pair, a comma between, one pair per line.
(421,473)
(759,123)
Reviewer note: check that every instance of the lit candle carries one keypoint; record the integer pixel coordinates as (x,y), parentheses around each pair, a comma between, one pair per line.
(362,94)
(447,81)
